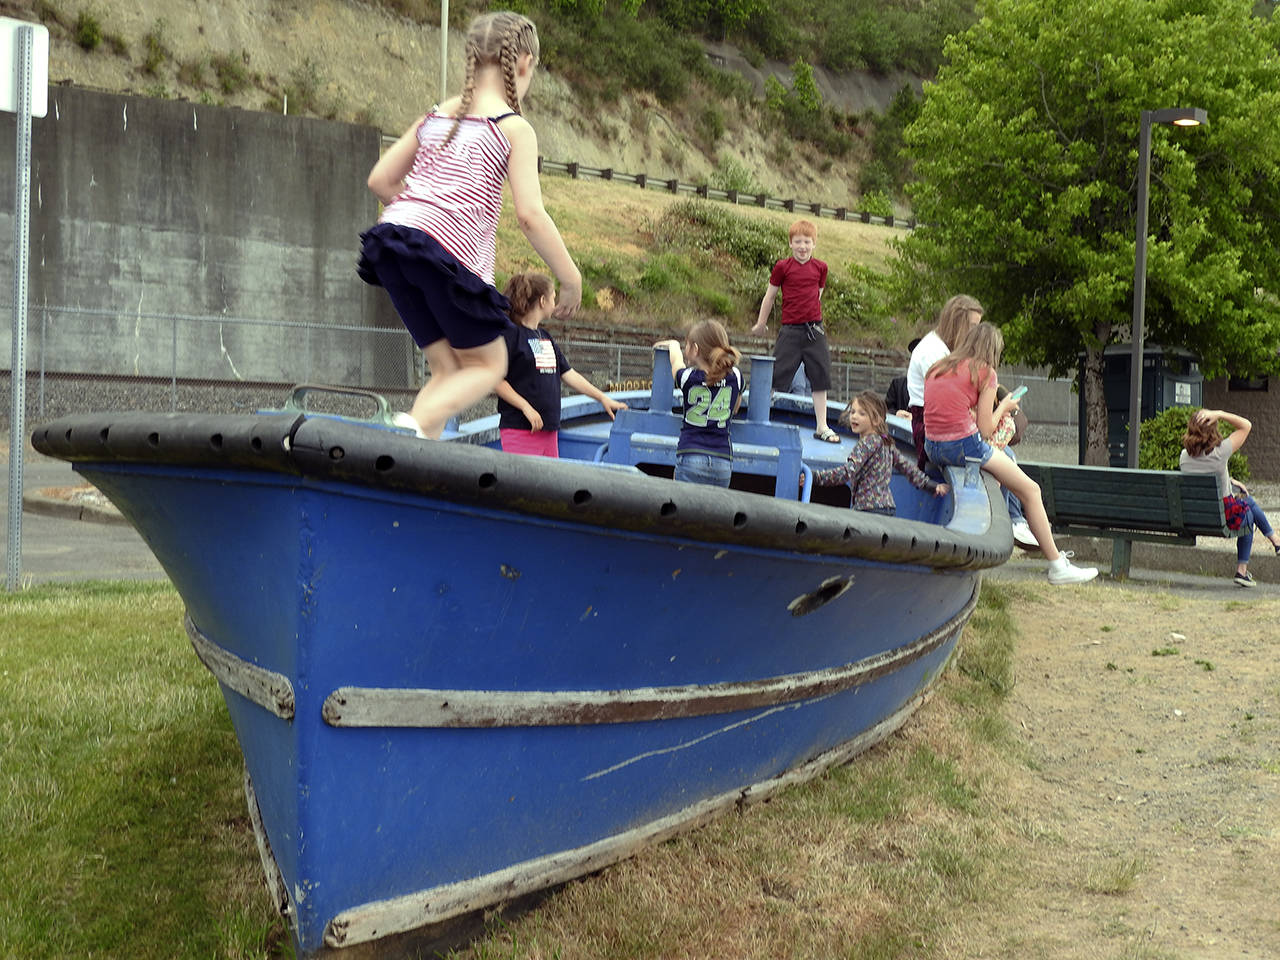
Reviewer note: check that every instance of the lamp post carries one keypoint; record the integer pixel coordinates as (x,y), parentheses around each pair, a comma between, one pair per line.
(1179,117)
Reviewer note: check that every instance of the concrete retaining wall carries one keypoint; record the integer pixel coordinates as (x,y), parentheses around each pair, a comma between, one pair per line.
(143,207)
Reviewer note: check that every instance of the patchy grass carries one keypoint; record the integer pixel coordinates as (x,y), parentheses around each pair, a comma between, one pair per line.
(125,834)
(121,814)
(874,859)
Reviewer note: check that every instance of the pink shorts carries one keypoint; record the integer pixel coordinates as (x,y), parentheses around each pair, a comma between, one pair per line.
(534,443)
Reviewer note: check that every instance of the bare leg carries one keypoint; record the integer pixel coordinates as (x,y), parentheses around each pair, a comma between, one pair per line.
(458,379)
(820,409)
(1026,490)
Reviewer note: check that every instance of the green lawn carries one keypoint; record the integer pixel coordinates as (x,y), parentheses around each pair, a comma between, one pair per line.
(122,817)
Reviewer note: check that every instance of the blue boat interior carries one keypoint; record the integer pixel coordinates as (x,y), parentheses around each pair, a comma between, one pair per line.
(775,451)
(773,442)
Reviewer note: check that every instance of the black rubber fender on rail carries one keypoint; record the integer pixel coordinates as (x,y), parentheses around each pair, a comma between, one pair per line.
(328,450)
(243,441)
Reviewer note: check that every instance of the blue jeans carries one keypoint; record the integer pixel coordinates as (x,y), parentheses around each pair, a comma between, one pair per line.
(703,468)
(1012,502)
(952,453)
(1254,518)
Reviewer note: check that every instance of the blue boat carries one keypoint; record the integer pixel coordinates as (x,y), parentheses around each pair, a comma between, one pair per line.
(459,676)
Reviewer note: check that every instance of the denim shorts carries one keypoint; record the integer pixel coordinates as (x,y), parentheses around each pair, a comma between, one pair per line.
(703,468)
(953,453)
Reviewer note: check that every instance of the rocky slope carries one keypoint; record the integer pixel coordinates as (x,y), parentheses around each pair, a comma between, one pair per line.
(352,61)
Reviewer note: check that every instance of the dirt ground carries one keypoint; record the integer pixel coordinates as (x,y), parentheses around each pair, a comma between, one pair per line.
(1148,808)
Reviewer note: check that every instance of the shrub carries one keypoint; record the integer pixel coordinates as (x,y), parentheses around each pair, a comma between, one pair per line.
(711,124)
(606,273)
(876,203)
(858,302)
(731,175)
(191,72)
(231,73)
(156,51)
(88,31)
(1160,442)
(700,224)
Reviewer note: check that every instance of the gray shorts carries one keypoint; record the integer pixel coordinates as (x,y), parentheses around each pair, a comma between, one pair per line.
(801,343)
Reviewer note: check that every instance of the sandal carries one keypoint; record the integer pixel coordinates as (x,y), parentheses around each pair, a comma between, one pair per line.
(827,434)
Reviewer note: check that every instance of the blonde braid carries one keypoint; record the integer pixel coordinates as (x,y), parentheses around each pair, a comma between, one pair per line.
(468,89)
(507,58)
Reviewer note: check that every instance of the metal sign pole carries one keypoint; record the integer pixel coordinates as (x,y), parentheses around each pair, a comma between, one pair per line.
(24,48)
(444,50)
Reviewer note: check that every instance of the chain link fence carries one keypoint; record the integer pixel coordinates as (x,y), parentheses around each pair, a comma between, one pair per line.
(83,360)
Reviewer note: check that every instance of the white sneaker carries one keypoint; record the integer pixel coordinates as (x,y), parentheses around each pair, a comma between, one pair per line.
(1023,537)
(405,421)
(1063,570)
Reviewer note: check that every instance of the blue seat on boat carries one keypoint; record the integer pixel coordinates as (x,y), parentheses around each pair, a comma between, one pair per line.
(760,448)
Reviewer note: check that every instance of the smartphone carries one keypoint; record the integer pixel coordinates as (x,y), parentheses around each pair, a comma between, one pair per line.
(1019,393)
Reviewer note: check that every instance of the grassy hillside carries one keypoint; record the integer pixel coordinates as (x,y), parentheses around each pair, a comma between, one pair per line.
(637,93)
(658,262)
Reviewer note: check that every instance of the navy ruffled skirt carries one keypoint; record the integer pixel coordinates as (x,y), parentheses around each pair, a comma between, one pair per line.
(435,295)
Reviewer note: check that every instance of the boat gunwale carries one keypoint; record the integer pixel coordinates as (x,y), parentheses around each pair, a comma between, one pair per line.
(333,449)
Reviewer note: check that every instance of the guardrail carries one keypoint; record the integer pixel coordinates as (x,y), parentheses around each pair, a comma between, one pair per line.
(644,181)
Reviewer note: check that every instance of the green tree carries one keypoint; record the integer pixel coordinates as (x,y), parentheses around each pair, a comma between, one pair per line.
(1025,152)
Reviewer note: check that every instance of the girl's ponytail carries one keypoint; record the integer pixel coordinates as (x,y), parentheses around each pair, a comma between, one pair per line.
(713,345)
(524,291)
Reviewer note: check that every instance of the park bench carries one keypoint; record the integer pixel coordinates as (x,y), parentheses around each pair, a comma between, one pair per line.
(1161,506)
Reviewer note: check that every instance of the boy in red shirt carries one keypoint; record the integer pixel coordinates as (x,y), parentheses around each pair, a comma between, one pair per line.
(801,278)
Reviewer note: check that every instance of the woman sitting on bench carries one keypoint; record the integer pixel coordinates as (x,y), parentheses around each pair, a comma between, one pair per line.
(1205,450)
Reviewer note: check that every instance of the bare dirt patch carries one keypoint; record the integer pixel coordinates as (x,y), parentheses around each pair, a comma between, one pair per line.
(1148,812)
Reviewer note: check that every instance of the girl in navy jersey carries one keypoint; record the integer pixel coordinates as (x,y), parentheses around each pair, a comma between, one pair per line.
(433,248)
(529,397)
(712,389)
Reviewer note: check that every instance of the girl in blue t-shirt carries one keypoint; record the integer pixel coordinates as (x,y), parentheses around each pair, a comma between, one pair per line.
(529,397)
(712,389)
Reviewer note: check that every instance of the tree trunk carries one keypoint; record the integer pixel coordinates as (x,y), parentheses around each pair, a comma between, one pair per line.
(1096,452)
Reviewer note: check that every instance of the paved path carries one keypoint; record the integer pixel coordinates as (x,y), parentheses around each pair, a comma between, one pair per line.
(61,547)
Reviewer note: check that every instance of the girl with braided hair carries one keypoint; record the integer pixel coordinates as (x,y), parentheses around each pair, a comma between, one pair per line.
(433,249)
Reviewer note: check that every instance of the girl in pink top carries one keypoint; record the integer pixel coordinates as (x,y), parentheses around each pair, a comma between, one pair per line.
(433,249)
(961,413)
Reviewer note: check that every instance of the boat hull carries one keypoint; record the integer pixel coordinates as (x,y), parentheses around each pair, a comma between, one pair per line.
(448,698)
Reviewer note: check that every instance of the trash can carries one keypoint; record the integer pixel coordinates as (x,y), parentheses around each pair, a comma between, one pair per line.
(1170,378)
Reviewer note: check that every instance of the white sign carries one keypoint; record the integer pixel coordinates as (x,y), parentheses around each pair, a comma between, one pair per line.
(39,70)
(1182,394)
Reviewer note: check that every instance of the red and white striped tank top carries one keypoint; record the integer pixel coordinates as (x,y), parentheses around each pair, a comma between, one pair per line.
(455,193)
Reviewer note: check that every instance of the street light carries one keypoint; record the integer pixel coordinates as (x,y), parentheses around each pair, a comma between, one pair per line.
(1179,117)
